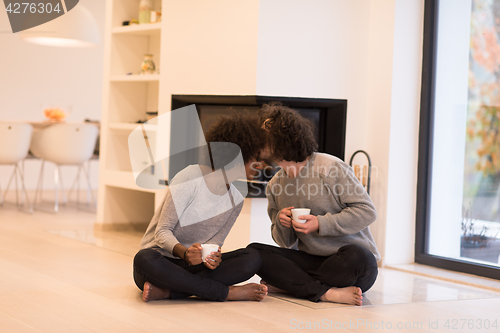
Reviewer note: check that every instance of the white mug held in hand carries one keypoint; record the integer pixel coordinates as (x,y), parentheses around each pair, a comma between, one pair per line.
(207,249)
(296,212)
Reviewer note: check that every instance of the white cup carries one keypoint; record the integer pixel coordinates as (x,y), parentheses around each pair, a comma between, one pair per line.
(207,249)
(296,212)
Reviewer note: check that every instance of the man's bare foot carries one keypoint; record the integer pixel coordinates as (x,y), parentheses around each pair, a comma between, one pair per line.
(151,293)
(247,292)
(347,295)
(272,289)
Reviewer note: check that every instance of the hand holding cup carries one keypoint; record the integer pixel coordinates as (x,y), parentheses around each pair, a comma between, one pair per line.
(304,222)
(193,254)
(211,255)
(285,217)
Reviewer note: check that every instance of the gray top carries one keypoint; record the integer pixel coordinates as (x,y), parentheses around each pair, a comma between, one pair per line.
(191,213)
(327,186)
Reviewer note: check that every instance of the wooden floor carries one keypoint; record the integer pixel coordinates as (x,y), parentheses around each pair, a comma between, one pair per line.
(58,275)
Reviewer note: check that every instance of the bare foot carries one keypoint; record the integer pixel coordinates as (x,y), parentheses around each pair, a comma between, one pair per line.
(151,293)
(272,289)
(347,295)
(247,292)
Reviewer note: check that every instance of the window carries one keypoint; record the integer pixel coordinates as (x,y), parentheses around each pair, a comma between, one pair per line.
(458,209)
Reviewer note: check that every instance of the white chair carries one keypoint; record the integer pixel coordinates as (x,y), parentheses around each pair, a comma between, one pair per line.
(64,144)
(14,145)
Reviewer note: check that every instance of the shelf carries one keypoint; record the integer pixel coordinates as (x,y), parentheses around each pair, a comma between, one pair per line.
(135,78)
(125,180)
(138,29)
(126,99)
(131,126)
(124,206)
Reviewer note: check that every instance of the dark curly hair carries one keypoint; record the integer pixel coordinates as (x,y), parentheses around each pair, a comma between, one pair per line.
(290,136)
(242,129)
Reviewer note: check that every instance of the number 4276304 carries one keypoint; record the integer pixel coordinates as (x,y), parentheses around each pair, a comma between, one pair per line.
(32,7)
(471,324)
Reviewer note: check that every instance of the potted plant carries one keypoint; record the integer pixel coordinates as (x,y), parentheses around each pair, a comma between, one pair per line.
(478,245)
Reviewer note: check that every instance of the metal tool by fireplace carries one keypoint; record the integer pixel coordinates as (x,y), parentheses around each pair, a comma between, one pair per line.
(364,173)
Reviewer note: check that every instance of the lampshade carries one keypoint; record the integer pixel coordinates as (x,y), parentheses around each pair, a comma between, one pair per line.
(76,28)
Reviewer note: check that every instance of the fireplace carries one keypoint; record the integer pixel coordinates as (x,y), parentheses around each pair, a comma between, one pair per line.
(327,115)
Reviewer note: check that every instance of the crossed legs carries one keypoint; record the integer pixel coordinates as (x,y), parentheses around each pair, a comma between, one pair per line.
(163,277)
(340,278)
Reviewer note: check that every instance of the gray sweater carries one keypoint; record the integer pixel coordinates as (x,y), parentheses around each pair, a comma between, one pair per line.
(190,214)
(330,189)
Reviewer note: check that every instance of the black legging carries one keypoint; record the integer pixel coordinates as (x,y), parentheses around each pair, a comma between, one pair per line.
(183,280)
(310,276)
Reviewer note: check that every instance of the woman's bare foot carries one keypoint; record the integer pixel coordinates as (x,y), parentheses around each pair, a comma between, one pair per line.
(347,295)
(247,292)
(151,293)
(272,289)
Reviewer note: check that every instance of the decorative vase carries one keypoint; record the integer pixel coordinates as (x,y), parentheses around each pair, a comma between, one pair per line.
(145,8)
(148,66)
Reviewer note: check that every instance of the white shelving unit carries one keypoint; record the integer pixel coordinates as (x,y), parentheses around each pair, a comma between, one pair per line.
(127,96)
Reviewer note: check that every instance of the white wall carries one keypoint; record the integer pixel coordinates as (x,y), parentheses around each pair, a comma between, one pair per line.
(32,76)
(379,92)
(399,236)
(211,48)
(317,49)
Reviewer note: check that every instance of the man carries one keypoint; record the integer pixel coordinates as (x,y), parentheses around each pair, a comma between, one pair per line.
(336,258)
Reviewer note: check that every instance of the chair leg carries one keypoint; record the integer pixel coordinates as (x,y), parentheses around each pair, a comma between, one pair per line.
(39,185)
(25,193)
(65,199)
(56,188)
(10,181)
(88,172)
(39,191)
(88,199)
(89,188)
(18,172)
(76,186)
(22,181)
(17,186)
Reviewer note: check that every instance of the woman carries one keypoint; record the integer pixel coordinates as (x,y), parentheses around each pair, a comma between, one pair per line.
(201,207)
(337,258)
